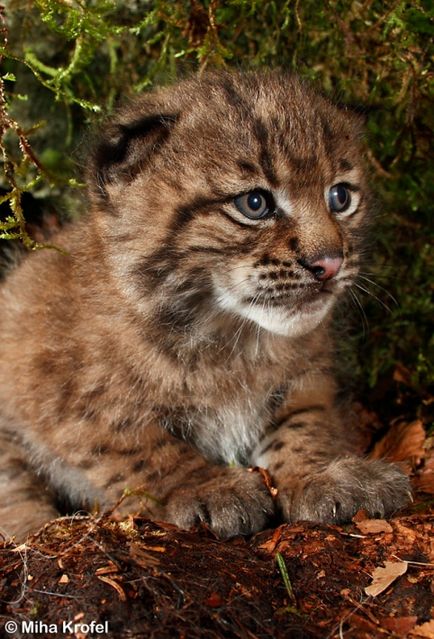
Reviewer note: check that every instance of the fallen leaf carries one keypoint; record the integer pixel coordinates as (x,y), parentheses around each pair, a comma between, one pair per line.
(360,515)
(373,526)
(424,481)
(266,478)
(403,442)
(424,630)
(270,545)
(400,626)
(362,624)
(383,577)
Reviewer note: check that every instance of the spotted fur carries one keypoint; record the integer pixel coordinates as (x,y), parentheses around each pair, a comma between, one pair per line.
(179,341)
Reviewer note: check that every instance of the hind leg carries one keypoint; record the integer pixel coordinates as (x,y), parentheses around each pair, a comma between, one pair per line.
(25,504)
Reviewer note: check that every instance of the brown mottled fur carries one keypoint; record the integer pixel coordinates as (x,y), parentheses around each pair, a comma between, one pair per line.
(179,341)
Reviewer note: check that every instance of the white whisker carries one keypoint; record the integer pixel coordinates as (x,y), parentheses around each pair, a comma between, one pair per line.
(370,281)
(359,306)
(375,297)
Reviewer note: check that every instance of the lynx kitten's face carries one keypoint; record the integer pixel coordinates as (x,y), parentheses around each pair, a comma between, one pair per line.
(235,197)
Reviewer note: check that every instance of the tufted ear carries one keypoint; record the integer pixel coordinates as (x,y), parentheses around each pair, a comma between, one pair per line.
(124,149)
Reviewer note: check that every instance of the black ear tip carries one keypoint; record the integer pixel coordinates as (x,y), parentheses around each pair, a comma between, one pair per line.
(125,147)
(111,148)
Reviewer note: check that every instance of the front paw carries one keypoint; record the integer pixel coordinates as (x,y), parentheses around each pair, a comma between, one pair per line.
(346,486)
(235,502)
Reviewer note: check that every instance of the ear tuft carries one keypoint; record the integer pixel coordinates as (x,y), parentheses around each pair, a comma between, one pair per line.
(125,148)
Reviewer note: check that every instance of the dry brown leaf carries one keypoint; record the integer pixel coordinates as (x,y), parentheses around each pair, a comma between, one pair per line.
(266,478)
(400,626)
(425,479)
(383,577)
(270,545)
(373,526)
(403,442)
(360,515)
(424,630)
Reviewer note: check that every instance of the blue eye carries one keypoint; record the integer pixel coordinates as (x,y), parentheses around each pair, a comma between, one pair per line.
(339,198)
(256,204)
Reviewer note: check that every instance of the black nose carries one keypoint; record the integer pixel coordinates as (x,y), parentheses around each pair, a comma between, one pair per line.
(323,268)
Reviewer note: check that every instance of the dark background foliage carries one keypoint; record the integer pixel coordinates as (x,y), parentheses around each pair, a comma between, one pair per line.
(66,64)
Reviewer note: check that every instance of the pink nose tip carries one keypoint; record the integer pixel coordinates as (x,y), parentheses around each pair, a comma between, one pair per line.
(324,268)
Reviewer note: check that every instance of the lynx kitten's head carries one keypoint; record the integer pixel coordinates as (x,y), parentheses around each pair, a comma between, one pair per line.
(233,194)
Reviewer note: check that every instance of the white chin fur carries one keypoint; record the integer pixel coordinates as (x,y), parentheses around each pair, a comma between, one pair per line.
(277,320)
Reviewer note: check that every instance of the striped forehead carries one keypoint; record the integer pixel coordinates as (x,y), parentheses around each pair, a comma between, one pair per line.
(279,160)
(284,136)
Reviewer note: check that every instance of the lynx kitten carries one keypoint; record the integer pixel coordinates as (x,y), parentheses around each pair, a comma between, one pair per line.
(186,335)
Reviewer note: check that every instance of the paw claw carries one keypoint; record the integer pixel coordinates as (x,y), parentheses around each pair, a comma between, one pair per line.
(234,503)
(346,486)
